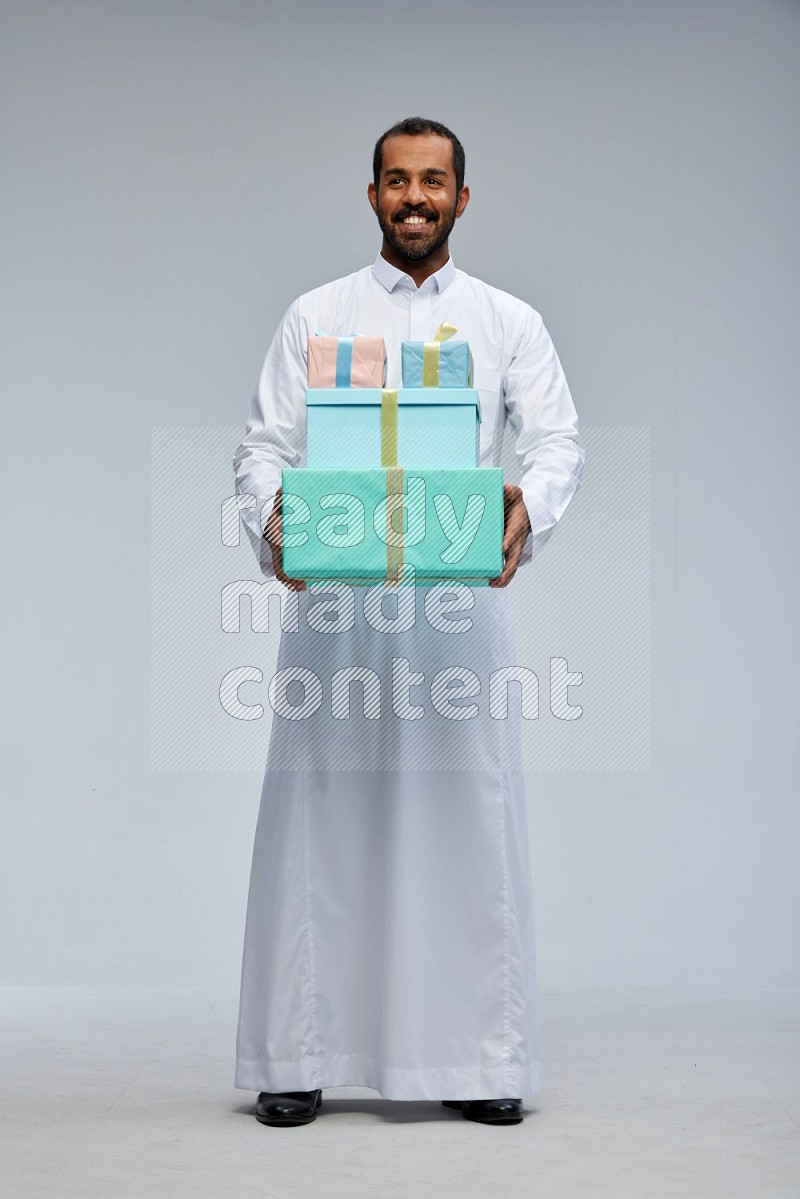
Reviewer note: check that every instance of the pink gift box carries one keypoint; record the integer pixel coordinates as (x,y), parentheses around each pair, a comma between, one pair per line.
(346,362)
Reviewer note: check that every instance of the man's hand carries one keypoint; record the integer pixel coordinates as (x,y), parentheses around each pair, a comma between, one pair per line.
(517,528)
(274,535)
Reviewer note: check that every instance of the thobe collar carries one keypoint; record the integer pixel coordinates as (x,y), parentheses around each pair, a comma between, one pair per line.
(391,277)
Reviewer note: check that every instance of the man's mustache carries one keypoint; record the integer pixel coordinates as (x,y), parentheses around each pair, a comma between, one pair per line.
(423,212)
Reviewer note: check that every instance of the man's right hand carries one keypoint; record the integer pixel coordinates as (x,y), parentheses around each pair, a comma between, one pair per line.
(274,535)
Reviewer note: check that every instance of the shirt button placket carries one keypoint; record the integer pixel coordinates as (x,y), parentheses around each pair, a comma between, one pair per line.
(421,314)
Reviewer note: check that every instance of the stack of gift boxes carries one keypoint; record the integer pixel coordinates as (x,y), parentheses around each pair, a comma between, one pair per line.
(391,490)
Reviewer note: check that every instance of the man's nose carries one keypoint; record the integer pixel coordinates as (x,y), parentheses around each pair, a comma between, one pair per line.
(415,193)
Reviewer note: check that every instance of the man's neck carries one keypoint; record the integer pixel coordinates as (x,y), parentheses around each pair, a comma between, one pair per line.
(419,269)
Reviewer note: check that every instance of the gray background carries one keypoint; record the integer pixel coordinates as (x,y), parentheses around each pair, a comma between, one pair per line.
(175,174)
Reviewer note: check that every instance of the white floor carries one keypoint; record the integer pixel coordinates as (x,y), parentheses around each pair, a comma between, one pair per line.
(118,1092)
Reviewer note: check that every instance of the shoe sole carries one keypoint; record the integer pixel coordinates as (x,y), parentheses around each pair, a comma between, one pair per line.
(459,1107)
(289,1121)
(278,1123)
(502,1120)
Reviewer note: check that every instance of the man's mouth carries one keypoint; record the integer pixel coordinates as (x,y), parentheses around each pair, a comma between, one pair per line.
(415,222)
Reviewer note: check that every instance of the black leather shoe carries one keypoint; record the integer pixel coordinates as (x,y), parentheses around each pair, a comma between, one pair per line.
(488,1111)
(288,1107)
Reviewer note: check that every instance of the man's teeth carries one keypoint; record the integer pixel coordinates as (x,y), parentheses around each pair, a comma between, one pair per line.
(415,220)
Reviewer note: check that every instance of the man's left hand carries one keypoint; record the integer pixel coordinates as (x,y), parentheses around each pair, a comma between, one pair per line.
(517,528)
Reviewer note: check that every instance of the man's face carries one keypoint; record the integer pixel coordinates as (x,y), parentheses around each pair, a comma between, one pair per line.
(416,201)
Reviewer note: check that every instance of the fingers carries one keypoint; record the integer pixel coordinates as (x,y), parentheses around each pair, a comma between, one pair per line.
(274,527)
(510,566)
(517,525)
(280,574)
(511,495)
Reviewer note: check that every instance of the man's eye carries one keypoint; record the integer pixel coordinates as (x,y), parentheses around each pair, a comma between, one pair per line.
(436,181)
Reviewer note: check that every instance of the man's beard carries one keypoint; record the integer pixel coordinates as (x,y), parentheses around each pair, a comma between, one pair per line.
(418,248)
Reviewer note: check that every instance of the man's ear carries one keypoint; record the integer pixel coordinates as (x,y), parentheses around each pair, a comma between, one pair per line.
(372,196)
(462,201)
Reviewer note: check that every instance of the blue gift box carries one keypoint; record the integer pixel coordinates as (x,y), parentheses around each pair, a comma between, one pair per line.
(436,364)
(368,427)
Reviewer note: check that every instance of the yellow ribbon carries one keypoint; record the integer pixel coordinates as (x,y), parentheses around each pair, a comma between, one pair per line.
(430,354)
(388,428)
(394,483)
(394,552)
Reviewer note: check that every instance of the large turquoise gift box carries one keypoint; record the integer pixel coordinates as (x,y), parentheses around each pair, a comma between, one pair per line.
(370,427)
(365,526)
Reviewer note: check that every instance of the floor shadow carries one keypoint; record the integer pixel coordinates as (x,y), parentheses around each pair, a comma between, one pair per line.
(392,1111)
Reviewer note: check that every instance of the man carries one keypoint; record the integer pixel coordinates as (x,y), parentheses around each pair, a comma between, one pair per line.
(389,937)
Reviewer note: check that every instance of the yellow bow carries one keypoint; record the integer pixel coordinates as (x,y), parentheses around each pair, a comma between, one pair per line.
(430,354)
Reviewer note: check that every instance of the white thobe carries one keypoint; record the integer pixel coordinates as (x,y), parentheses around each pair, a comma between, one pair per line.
(389,937)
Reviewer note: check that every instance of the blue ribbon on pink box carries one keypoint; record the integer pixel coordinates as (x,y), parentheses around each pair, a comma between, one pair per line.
(344,355)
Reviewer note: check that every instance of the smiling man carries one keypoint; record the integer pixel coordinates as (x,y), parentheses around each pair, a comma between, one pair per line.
(416,201)
(389,937)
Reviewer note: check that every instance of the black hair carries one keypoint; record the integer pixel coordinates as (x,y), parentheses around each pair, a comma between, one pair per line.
(414,126)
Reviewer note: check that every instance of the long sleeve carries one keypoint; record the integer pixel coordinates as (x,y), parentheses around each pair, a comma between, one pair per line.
(545,425)
(275,432)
